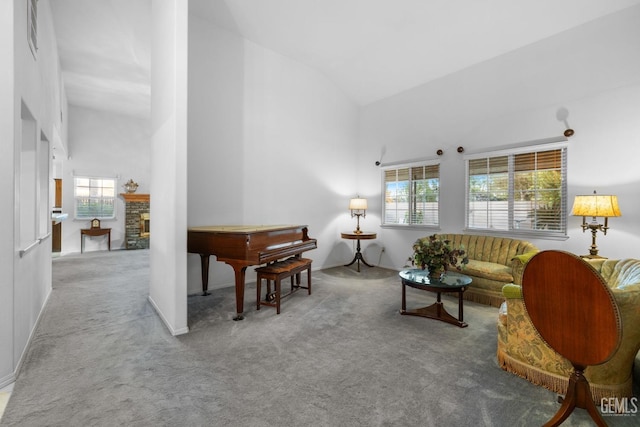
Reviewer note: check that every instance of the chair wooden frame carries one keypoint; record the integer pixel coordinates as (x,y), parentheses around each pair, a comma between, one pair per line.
(575,313)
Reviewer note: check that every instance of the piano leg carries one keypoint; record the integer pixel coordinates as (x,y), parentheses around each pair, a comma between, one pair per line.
(240,271)
(204,264)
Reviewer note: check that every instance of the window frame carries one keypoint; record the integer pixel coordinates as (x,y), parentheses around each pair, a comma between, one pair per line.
(413,165)
(510,153)
(101,198)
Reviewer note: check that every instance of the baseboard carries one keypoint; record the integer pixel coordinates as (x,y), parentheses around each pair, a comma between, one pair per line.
(173,331)
(7,380)
(16,371)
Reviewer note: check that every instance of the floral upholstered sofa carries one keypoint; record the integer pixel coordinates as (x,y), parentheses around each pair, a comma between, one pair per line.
(493,262)
(522,352)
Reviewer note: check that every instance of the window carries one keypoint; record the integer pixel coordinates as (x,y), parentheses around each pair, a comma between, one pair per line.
(94,197)
(412,195)
(519,191)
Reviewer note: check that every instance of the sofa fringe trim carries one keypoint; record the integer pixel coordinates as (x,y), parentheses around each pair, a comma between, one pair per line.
(474,295)
(559,384)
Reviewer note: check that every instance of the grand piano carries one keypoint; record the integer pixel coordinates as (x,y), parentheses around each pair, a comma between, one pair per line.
(243,245)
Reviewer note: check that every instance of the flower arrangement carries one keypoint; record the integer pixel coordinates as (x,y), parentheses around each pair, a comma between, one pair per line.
(437,255)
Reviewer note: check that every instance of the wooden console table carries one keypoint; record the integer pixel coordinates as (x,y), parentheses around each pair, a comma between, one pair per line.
(94,232)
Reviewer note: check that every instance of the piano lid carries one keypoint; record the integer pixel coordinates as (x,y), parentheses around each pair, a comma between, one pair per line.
(247,229)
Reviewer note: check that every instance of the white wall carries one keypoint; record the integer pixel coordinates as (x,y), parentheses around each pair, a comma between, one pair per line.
(593,71)
(300,151)
(110,145)
(271,141)
(26,280)
(216,169)
(168,259)
(7,171)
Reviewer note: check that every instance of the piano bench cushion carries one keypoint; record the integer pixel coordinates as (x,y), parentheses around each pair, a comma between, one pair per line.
(288,266)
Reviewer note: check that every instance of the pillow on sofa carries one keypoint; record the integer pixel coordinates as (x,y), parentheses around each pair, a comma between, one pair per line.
(524,258)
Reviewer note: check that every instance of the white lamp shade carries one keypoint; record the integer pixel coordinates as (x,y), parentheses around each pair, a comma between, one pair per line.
(358,204)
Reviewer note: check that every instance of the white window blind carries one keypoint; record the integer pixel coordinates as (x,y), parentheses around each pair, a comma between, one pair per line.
(94,197)
(411,195)
(522,190)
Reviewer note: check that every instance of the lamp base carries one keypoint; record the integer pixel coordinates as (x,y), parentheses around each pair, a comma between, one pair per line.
(594,227)
(593,257)
(357,230)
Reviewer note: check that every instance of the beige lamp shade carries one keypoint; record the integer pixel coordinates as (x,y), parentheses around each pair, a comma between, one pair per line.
(596,205)
(358,204)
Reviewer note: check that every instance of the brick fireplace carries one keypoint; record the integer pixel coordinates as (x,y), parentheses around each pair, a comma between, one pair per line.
(137,220)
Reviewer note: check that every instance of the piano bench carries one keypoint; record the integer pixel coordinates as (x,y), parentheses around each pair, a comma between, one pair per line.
(292,267)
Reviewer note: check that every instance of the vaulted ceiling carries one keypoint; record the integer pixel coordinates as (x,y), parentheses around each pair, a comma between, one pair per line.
(371,49)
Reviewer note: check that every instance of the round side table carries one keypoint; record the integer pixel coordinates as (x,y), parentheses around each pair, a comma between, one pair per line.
(363,235)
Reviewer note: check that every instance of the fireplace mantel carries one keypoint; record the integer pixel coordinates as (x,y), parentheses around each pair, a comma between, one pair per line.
(135,197)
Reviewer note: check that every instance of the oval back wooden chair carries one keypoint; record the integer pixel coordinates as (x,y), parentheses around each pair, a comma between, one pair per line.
(574,312)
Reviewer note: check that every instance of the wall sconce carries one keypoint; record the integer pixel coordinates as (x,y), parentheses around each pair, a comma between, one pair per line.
(595,205)
(358,209)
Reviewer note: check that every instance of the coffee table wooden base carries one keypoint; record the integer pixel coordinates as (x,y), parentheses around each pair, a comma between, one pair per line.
(435,311)
(449,283)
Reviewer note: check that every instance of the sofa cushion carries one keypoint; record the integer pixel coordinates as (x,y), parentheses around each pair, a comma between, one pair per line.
(488,270)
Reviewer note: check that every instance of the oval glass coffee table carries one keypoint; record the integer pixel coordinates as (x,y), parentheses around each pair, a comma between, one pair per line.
(450,282)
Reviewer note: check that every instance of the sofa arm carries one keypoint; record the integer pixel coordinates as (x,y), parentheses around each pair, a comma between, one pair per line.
(512,303)
(511,290)
(518,263)
(517,269)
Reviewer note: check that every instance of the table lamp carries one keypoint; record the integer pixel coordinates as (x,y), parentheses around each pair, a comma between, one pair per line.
(595,205)
(358,207)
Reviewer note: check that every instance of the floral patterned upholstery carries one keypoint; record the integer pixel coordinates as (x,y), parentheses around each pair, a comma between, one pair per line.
(522,352)
(493,261)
